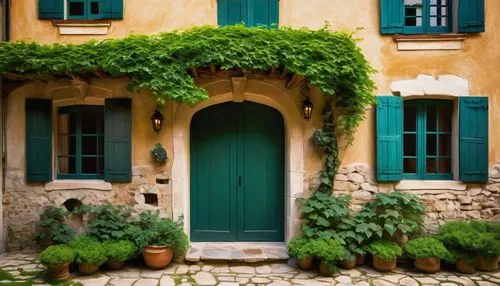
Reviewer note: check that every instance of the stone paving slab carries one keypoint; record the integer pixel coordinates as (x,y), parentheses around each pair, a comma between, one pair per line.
(25,267)
(250,252)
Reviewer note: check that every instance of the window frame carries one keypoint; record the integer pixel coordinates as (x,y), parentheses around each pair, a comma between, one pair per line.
(421,133)
(87,4)
(426,28)
(78,110)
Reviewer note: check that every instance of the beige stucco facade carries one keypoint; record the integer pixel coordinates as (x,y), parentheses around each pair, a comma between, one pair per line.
(474,63)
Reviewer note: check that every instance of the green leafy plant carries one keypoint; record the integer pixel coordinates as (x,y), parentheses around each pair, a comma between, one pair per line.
(397,212)
(385,249)
(88,250)
(487,244)
(428,247)
(300,247)
(139,231)
(322,214)
(159,154)
(330,251)
(56,255)
(52,229)
(109,222)
(168,233)
(121,250)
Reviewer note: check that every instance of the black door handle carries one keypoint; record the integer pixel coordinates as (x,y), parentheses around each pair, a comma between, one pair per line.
(239,181)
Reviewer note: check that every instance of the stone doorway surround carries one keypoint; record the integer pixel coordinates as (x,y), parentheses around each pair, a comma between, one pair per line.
(268,92)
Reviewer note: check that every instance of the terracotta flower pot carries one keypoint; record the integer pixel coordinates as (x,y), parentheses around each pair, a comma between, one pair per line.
(325,270)
(360,259)
(305,263)
(428,264)
(464,267)
(157,257)
(87,269)
(487,263)
(59,272)
(383,265)
(114,264)
(348,263)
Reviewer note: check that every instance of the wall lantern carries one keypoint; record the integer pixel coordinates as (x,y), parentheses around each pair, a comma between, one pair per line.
(307,107)
(157,120)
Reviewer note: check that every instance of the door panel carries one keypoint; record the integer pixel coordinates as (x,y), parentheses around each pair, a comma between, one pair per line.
(237,176)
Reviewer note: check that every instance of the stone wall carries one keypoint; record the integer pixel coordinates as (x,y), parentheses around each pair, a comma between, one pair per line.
(445,200)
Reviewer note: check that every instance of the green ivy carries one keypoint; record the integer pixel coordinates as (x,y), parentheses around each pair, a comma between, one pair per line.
(161,63)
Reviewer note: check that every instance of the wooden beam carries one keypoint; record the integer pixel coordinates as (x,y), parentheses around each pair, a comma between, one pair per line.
(272,73)
(213,70)
(15,76)
(194,71)
(292,83)
(283,73)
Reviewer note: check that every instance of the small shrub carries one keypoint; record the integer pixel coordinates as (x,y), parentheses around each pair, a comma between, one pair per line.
(51,228)
(88,250)
(170,234)
(56,255)
(328,250)
(428,247)
(385,249)
(487,245)
(109,222)
(300,247)
(121,250)
(459,237)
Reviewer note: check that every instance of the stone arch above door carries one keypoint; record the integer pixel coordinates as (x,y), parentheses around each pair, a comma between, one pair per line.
(259,91)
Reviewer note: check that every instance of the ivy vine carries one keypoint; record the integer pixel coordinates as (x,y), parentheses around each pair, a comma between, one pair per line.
(161,63)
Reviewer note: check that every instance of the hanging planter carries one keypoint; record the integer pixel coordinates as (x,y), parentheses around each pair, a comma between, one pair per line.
(159,154)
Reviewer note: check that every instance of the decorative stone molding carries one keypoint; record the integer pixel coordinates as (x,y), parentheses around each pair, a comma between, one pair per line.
(429,185)
(239,87)
(429,42)
(99,185)
(69,27)
(427,85)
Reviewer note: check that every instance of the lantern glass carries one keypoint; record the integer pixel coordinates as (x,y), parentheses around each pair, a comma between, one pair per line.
(307,107)
(157,120)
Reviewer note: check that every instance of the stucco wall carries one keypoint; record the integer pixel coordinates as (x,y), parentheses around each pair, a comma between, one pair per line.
(477,62)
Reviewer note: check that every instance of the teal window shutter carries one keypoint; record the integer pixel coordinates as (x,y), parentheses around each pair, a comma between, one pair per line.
(230,12)
(38,140)
(262,12)
(471,16)
(51,9)
(111,9)
(473,145)
(389,120)
(392,16)
(117,140)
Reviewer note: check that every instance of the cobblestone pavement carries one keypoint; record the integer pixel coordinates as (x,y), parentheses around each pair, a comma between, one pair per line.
(24,267)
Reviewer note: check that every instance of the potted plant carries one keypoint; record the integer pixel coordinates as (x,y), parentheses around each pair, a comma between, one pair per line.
(57,259)
(164,239)
(300,248)
(384,254)
(428,252)
(460,237)
(90,254)
(330,252)
(488,249)
(118,252)
(159,154)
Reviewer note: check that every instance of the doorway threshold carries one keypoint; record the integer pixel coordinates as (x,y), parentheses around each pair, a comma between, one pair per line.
(250,252)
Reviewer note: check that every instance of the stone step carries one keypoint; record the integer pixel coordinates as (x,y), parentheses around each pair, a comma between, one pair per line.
(250,252)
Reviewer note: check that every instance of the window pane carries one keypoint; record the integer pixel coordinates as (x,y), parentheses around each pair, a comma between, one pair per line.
(444,165)
(100,150)
(444,118)
(67,165)
(89,145)
(430,165)
(72,123)
(94,8)
(100,166)
(410,120)
(89,165)
(410,165)
(89,122)
(431,144)
(413,13)
(410,145)
(72,145)
(431,118)
(444,145)
(76,9)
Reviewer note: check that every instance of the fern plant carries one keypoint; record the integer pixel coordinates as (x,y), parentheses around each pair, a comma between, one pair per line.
(52,229)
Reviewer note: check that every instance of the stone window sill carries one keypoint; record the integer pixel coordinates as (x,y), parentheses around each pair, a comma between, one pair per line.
(429,42)
(58,185)
(427,185)
(79,27)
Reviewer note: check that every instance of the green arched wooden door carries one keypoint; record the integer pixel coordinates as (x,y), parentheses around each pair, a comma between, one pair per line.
(237,173)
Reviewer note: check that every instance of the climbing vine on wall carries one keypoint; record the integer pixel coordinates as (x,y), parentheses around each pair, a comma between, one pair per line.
(161,63)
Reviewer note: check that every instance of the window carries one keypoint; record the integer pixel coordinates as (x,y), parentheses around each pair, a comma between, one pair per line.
(249,12)
(431,16)
(426,16)
(80,9)
(80,145)
(427,139)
